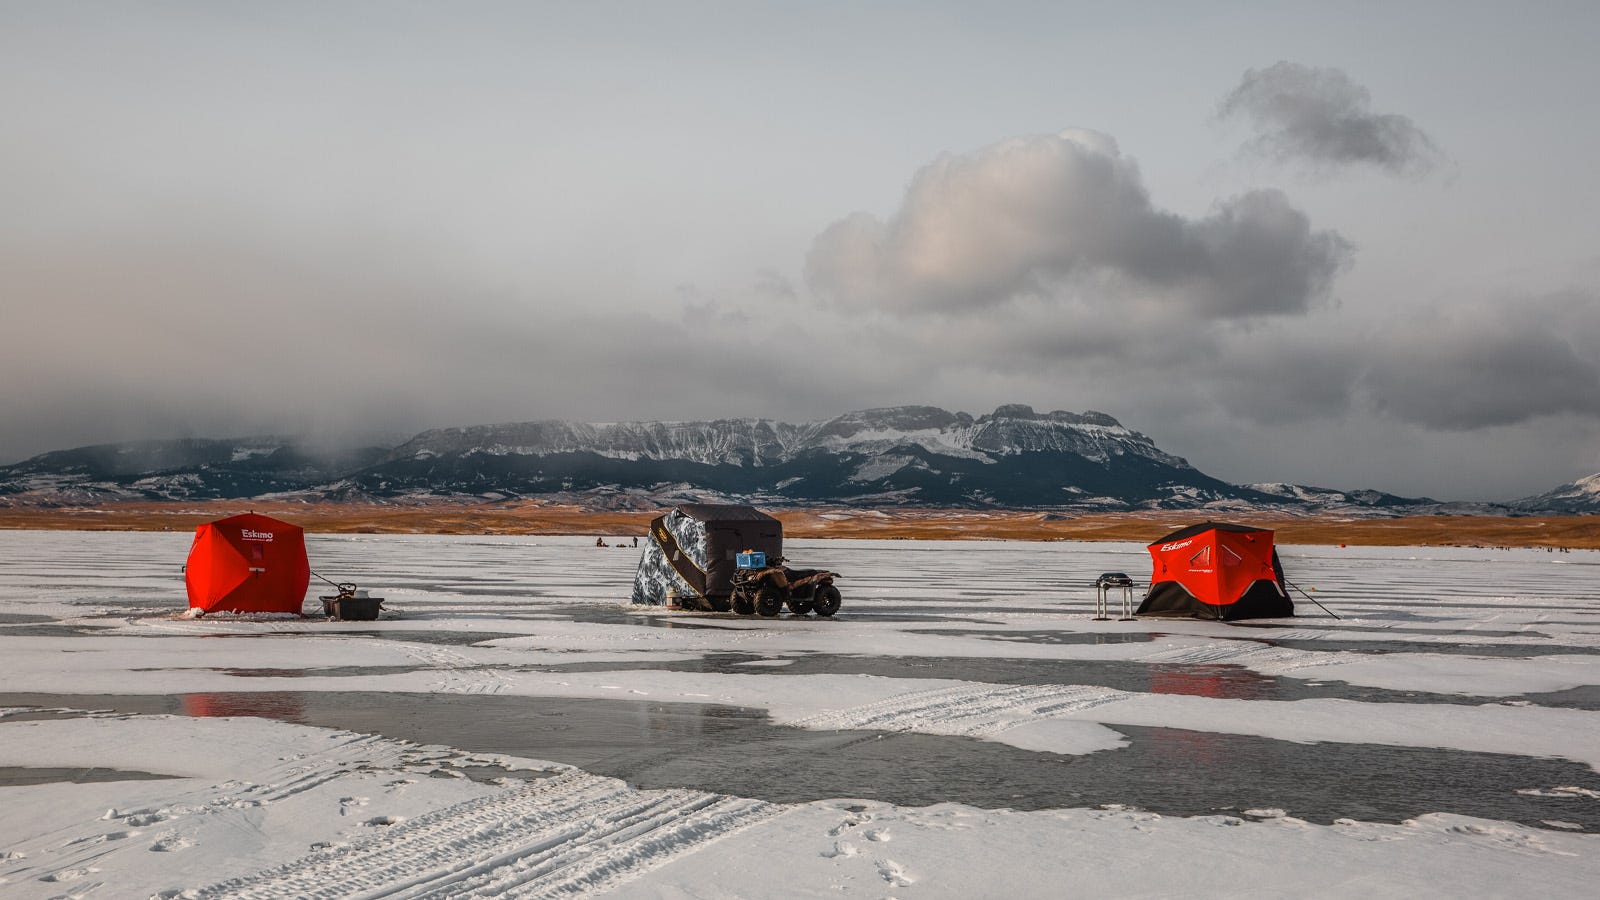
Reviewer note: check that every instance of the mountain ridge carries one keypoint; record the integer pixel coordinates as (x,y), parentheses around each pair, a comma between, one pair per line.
(1012,457)
(1580,496)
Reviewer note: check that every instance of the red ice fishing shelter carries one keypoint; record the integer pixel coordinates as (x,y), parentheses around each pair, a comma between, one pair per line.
(1216,571)
(247,564)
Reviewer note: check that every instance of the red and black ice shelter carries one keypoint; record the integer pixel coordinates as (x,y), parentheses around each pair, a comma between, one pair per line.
(1215,570)
(247,564)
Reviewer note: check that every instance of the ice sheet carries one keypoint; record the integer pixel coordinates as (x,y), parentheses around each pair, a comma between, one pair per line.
(266,808)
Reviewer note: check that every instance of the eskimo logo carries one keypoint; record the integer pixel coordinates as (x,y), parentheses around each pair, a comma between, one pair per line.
(265,536)
(1174,546)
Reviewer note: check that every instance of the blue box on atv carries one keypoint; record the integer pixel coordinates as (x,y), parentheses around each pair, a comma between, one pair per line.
(755,559)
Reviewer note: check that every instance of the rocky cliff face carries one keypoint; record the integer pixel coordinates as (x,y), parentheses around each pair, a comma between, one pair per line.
(765,442)
(918,455)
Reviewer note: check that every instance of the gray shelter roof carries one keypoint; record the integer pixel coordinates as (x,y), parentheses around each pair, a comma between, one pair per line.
(719,512)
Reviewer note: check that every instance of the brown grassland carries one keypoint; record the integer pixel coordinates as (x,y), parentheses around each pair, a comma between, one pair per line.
(533,517)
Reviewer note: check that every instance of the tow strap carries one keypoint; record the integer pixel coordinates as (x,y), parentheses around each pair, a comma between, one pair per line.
(680,561)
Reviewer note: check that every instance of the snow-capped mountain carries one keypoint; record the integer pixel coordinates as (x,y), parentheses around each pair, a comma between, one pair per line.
(1331,499)
(1581,496)
(900,456)
(918,455)
(766,442)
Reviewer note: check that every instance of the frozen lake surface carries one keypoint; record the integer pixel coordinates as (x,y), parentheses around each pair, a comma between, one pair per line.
(962,728)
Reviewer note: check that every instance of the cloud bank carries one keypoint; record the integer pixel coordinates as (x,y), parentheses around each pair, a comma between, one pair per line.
(1044,258)
(1027,216)
(1321,118)
(1484,365)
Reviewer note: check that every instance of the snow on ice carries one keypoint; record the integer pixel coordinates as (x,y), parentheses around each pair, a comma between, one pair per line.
(134,763)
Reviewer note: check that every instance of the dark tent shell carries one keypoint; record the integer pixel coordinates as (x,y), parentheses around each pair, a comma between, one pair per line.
(692,550)
(1203,527)
(1216,570)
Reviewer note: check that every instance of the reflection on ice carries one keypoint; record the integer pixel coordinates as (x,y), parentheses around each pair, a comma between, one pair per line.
(1221,682)
(282,706)
(1172,771)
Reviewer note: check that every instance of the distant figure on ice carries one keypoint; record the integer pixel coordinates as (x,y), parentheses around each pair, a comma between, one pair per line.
(636,540)
(599,542)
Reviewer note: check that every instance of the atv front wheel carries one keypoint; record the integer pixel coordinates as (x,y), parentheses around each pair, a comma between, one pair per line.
(742,604)
(769,601)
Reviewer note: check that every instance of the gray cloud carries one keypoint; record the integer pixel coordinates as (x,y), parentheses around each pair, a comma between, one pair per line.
(318,218)
(236,329)
(1275,378)
(1484,366)
(1024,216)
(1322,118)
(773,285)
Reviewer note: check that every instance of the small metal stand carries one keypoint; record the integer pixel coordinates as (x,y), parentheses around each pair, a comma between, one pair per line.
(1103,586)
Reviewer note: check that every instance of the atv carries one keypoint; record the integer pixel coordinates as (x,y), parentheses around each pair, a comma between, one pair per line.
(766,590)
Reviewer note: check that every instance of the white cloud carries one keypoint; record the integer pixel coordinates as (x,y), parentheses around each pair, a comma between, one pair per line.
(1021,217)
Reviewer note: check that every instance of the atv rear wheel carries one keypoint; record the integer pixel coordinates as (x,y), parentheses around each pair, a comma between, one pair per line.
(769,601)
(799,607)
(826,601)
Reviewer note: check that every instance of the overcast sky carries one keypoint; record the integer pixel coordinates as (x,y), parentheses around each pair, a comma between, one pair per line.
(1350,248)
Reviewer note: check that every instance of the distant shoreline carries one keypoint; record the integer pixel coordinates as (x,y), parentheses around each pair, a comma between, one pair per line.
(527,517)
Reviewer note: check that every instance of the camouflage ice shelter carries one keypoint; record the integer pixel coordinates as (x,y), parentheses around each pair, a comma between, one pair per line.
(692,549)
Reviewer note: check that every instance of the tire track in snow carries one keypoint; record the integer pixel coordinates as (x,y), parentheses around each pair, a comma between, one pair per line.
(303,772)
(1258,657)
(978,710)
(462,673)
(568,834)
(176,824)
